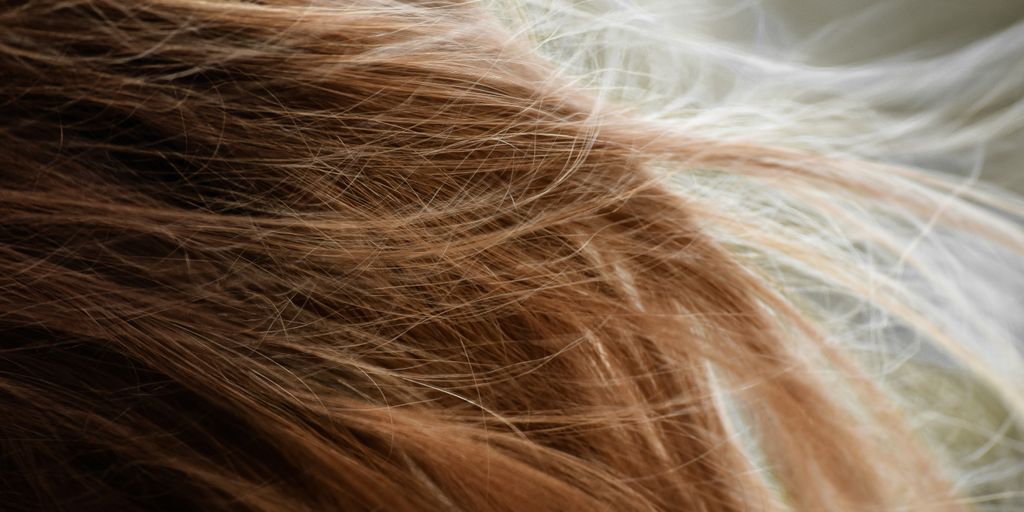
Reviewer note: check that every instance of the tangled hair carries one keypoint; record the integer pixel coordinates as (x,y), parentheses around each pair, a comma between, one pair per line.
(381,255)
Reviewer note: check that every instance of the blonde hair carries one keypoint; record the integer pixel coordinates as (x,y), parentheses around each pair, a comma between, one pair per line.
(368,255)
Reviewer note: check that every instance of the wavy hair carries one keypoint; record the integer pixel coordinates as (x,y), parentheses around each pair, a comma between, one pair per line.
(382,255)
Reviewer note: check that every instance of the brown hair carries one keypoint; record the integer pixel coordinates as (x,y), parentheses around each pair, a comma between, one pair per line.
(294,255)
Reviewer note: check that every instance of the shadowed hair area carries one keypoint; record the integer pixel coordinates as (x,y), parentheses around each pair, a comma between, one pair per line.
(381,255)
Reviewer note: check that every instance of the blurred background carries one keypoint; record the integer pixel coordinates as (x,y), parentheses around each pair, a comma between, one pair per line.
(930,83)
(956,63)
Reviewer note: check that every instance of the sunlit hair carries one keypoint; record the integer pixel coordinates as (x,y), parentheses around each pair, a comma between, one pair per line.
(381,255)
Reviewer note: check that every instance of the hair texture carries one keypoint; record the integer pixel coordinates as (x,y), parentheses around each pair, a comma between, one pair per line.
(383,255)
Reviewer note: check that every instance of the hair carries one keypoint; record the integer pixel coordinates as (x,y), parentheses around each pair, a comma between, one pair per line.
(384,255)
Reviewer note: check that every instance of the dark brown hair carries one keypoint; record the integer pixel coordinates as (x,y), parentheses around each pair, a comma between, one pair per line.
(376,255)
